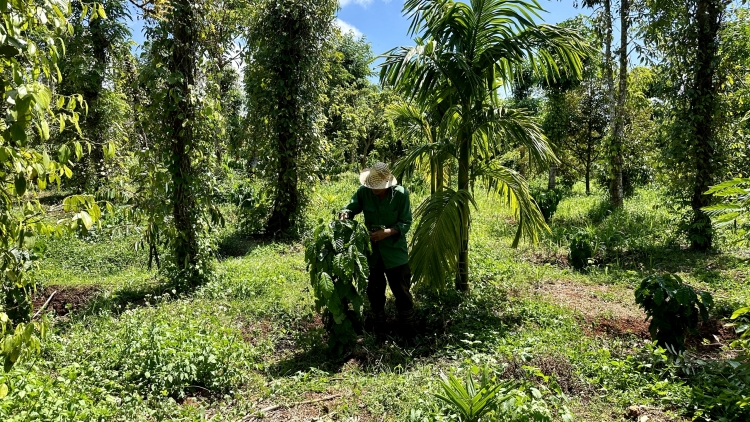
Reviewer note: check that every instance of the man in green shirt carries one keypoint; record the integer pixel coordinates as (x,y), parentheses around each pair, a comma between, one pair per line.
(385,205)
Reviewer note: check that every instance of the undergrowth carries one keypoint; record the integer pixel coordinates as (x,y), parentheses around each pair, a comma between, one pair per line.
(250,338)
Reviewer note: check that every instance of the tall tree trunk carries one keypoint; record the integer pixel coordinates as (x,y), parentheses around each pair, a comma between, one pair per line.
(93,164)
(433,176)
(287,200)
(702,110)
(182,115)
(552,182)
(609,77)
(439,175)
(589,153)
(616,192)
(464,150)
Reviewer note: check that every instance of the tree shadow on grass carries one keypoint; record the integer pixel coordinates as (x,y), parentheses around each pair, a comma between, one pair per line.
(238,244)
(446,321)
(704,266)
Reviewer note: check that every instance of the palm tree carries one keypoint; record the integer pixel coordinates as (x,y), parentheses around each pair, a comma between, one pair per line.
(465,53)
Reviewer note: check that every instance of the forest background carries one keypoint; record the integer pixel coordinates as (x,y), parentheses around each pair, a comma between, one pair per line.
(157,197)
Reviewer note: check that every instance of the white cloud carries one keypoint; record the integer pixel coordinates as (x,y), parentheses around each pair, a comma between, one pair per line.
(345,27)
(363,3)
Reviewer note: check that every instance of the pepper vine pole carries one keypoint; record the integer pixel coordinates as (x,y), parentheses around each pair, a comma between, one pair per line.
(181,114)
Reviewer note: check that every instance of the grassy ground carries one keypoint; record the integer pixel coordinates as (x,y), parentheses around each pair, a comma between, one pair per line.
(249,345)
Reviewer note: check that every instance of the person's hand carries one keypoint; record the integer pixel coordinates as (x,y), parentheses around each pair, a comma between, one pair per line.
(379,235)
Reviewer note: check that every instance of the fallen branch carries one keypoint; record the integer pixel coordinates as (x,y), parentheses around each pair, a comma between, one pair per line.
(280,406)
(45,305)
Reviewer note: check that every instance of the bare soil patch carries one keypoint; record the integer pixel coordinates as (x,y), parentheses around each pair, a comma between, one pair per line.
(610,311)
(66,299)
(312,407)
(593,301)
(558,259)
(555,366)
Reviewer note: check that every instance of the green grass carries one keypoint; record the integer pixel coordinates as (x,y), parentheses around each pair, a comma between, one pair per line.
(250,338)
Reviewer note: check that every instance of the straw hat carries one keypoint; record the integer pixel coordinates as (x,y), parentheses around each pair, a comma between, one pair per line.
(377,177)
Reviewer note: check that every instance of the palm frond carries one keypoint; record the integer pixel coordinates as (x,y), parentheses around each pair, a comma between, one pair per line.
(437,238)
(513,189)
(496,128)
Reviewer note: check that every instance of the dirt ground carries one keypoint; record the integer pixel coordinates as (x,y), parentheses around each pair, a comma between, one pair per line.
(611,311)
(65,299)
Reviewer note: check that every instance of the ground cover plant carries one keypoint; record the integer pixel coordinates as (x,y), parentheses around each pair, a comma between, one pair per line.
(169,247)
(251,340)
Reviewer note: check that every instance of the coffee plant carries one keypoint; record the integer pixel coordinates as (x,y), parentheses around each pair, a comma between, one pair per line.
(582,247)
(337,262)
(673,307)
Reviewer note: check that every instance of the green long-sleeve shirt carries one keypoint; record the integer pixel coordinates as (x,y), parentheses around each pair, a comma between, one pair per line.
(393,211)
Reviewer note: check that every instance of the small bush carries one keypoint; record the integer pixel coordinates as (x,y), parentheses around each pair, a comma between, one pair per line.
(582,248)
(673,307)
(548,199)
(336,256)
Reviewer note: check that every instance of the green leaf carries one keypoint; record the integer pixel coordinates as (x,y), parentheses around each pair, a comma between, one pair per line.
(3,391)
(739,312)
(20,185)
(326,285)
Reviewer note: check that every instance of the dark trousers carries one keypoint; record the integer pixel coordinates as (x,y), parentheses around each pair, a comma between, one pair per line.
(399,278)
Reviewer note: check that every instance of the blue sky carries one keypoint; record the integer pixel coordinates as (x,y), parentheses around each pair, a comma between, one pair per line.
(384,26)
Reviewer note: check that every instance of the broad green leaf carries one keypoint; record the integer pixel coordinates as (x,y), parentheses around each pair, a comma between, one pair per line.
(20,185)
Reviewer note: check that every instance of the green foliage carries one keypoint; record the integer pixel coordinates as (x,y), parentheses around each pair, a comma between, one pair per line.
(583,245)
(32,47)
(132,367)
(673,307)
(699,46)
(284,80)
(436,243)
(473,400)
(336,254)
(171,175)
(465,52)
(548,199)
(734,211)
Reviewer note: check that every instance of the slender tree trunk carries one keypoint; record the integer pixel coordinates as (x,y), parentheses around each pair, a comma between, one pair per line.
(464,150)
(552,182)
(94,162)
(609,77)
(287,200)
(433,176)
(589,153)
(702,110)
(439,175)
(182,115)
(616,192)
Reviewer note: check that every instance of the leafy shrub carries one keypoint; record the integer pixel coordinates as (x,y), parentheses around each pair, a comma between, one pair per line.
(582,247)
(254,207)
(547,200)
(170,351)
(335,254)
(673,307)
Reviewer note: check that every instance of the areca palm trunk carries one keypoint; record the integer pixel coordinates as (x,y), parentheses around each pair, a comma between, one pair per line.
(464,149)
(616,191)
(439,174)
